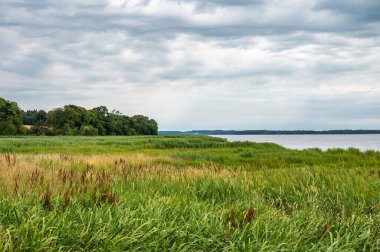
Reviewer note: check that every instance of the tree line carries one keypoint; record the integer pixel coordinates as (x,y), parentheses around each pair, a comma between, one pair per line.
(72,120)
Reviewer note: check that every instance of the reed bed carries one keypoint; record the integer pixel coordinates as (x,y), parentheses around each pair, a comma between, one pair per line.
(185,194)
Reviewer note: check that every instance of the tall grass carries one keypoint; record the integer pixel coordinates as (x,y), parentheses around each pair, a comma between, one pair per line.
(185,194)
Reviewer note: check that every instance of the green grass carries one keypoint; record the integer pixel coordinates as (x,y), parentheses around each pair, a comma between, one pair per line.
(185,193)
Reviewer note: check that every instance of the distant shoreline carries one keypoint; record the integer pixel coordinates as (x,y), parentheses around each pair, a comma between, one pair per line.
(270,132)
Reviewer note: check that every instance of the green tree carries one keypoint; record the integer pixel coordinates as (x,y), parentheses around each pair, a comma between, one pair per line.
(144,126)
(33,117)
(72,120)
(55,118)
(100,119)
(75,116)
(7,128)
(10,118)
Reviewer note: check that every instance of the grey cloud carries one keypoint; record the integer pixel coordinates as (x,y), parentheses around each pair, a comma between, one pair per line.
(366,11)
(49,15)
(205,4)
(216,64)
(231,2)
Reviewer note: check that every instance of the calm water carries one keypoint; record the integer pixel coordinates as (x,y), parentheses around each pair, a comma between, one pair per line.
(324,142)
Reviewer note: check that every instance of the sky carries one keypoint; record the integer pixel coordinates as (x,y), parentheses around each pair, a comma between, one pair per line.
(201,64)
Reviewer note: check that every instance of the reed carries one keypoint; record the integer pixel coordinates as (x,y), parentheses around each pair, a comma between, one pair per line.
(10,159)
(186,194)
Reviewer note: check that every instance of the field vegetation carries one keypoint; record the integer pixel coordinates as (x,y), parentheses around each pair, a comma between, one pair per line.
(185,193)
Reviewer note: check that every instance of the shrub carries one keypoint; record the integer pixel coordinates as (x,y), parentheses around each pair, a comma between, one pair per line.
(88,130)
(8,128)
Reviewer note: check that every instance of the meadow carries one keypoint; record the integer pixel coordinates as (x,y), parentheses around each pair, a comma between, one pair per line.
(185,193)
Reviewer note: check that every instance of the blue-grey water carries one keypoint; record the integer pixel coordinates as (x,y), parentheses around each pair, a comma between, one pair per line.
(323,142)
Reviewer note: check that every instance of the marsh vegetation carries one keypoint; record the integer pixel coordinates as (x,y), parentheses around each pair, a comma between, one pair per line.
(185,193)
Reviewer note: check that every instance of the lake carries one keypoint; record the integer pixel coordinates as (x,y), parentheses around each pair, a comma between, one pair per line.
(323,142)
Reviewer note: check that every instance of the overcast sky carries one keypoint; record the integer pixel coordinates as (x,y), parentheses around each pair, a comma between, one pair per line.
(207,64)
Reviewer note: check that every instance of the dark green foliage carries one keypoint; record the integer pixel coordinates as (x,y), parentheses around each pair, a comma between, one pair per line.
(72,120)
(8,128)
(75,120)
(34,117)
(144,125)
(10,118)
(56,118)
(8,110)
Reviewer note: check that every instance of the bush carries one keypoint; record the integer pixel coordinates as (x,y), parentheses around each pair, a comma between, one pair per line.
(39,130)
(8,128)
(22,130)
(88,130)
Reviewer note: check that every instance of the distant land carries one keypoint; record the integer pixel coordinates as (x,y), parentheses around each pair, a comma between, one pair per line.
(268,132)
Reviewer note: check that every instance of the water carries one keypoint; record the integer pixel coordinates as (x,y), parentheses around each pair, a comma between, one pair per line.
(323,142)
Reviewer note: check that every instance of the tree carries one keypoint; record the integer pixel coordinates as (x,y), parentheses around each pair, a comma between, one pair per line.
(55,118)
(73,120)
(100,117)
(75,116)
(10,118)
(7,128)
(144,126)
(33,117)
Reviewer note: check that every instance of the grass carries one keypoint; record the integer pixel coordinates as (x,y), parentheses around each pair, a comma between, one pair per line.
(185,193)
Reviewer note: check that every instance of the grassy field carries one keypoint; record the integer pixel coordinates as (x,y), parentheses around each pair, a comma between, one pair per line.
(185,193)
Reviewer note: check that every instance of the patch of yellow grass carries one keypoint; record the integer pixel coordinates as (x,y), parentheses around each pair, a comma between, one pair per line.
(57,173)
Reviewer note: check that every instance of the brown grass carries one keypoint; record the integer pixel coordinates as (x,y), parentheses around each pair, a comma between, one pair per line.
(9,158)
(48,176)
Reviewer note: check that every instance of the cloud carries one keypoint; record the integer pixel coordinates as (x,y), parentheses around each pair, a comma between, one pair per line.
(198,64)
(364,11)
